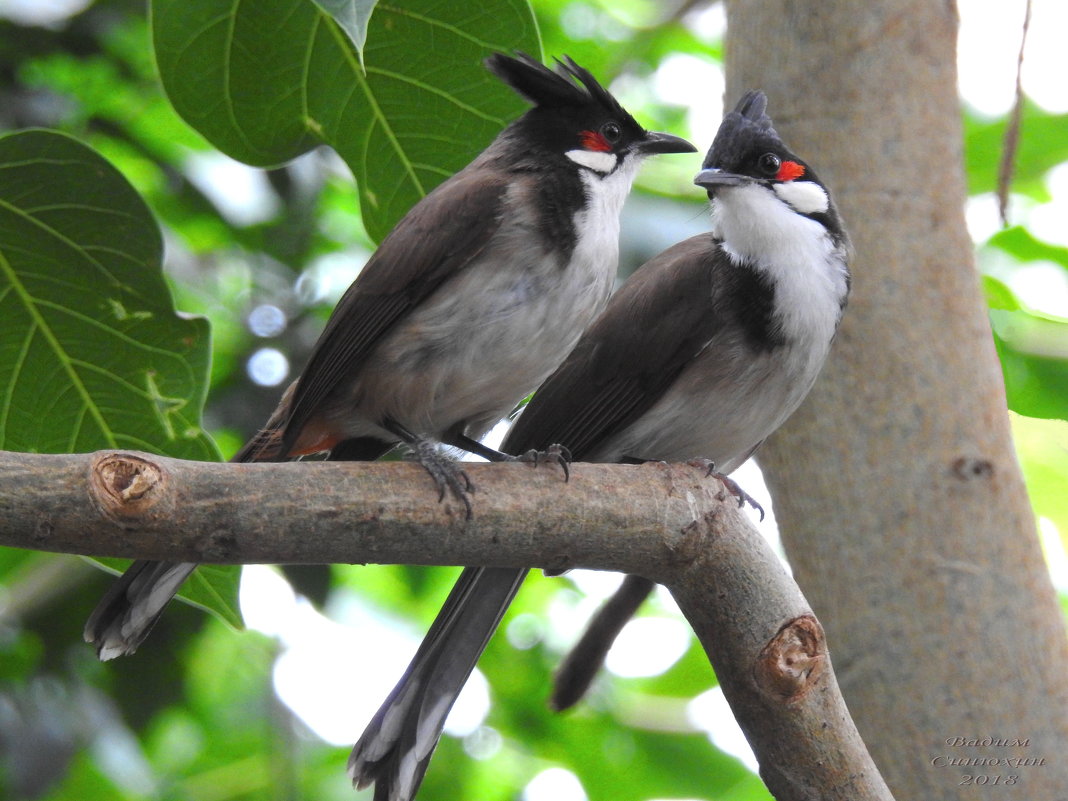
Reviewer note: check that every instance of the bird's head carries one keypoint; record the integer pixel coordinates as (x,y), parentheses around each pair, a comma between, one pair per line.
(576,117)
(747,151)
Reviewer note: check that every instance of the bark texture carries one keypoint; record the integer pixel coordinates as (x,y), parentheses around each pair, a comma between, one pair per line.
(125,504)
(896,485)
(770,657)
(671,523)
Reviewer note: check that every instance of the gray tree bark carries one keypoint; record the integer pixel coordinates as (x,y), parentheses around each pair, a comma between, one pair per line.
(901,502)
(672,523)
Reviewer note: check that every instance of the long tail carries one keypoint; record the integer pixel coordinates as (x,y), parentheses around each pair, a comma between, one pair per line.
(396,747)
(129,610)
(133,604)
(579,667)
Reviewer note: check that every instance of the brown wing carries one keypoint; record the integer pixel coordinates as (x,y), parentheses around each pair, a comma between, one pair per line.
(439,237)
(650,331)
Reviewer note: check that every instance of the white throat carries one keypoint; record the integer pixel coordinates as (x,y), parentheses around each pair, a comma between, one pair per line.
(596,253)
(806,267)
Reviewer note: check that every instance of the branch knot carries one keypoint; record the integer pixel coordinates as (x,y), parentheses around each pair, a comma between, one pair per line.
(793,660)
(124,487)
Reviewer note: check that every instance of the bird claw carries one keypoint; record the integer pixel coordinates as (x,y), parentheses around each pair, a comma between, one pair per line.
(554,454)
(732,486)
(447,474)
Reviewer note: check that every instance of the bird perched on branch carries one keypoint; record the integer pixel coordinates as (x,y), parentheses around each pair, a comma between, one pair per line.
(465,308)
(704,352)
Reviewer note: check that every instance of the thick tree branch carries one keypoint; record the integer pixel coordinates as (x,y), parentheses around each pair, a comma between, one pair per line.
(626,518)
(670,523)
(771,659)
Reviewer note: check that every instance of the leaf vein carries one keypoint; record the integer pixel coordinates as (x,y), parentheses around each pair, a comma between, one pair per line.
(53,341)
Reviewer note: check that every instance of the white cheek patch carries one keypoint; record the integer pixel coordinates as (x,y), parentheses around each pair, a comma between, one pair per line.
(596,160)
(805,197)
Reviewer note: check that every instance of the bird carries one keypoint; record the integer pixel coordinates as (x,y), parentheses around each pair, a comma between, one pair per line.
(470,301)
(701,354)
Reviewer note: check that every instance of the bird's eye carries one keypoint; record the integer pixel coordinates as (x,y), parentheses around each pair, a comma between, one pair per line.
(769,164)
(611,131)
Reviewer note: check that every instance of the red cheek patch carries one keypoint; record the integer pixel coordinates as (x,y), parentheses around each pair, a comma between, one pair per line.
(789,170)
(591,140)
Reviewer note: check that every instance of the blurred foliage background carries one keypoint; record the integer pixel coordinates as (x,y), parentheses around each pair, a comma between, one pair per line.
(263,254)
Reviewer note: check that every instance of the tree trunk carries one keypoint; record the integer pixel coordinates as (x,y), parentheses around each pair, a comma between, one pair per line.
(900,499)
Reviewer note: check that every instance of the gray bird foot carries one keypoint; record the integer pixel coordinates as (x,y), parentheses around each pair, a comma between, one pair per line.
(732,486)
(447,474)
(554,454)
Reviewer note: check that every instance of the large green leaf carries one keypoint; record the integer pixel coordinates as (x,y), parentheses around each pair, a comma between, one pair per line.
(267,81)
(213,588)
(1024,246)
(999,295)
(1042,146)
(352,16)
(92,352)
(1031,348)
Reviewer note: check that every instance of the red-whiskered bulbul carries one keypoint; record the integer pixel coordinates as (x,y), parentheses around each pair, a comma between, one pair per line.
(468,304)
(702,353)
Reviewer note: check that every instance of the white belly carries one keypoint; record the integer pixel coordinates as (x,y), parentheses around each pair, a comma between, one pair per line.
(488,338)
(729,407)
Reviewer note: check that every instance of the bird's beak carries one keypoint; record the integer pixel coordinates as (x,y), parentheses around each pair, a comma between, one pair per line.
(713,178)
(656,142)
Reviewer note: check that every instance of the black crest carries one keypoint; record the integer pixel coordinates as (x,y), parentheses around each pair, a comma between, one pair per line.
(546,88)
(742,131)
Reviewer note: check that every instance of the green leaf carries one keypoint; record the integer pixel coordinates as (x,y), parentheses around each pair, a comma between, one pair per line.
(212,588)
(1043,146)
(267,81)
(1042,446)
(998,294)
(92,352)
(1024,246)
(633,763)
(687,678)
(352,16)
(1033,350)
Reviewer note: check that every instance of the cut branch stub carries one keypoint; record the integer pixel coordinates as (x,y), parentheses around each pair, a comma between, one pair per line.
(126,488)
(793,661)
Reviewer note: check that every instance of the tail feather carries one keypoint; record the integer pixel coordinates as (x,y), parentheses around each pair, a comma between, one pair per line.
(133,604)
(581,665)
(395,749)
